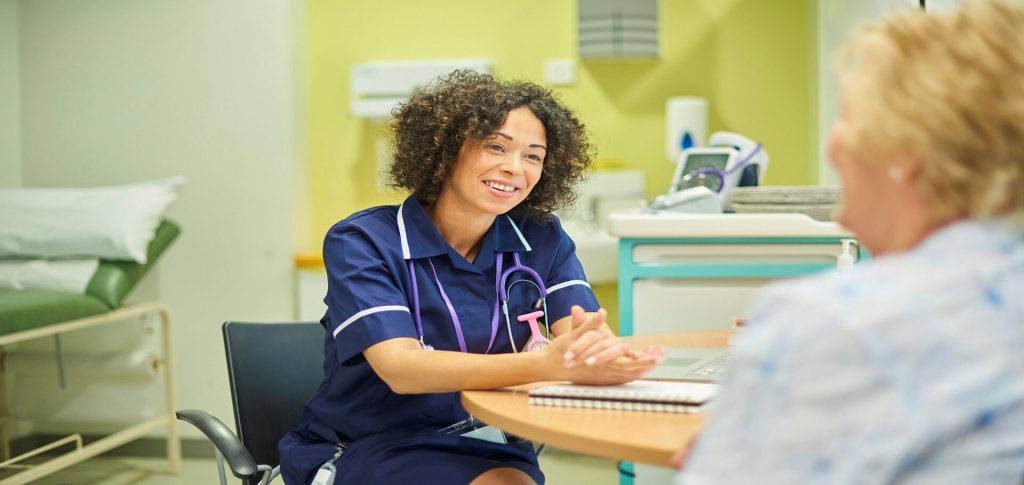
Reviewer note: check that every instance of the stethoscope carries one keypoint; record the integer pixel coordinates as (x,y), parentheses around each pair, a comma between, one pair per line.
(537,339)
(703,173)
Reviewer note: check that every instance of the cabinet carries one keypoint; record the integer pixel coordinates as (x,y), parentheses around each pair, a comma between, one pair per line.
(680,272)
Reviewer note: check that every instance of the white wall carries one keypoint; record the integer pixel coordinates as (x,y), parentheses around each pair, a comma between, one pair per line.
(117,91)
(837,19)
(10,109)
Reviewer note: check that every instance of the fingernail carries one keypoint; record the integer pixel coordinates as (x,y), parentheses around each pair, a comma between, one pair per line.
(568,356)
(591,360)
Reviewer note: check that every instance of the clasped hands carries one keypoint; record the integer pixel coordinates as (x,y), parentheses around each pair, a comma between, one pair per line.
(591,354)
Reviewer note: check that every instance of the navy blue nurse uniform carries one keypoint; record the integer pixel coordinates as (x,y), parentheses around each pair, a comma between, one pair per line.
(394,438)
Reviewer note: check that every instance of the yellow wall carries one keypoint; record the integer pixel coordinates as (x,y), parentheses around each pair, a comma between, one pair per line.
(751,59)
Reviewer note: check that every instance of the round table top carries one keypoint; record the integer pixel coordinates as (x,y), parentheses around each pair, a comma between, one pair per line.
(646,437)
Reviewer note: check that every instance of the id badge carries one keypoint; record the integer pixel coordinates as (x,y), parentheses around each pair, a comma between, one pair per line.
(325,475)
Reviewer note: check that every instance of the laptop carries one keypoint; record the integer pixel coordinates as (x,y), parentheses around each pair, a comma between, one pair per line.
(690,364)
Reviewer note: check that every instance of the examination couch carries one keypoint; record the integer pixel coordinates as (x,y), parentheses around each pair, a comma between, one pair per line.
(33,314)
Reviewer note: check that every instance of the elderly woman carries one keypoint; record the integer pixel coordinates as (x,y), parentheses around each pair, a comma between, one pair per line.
(452,290)
(909,368)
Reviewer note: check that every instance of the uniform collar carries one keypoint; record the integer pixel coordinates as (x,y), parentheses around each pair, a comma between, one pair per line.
(421,239)
(419,235)
(508,238)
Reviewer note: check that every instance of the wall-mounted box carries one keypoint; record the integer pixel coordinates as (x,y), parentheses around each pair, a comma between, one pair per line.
(377,87)
(618,29)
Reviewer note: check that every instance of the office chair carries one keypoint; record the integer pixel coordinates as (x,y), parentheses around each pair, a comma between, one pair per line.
(274,368)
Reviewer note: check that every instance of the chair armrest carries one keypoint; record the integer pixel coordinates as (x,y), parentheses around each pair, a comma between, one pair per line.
(239,460)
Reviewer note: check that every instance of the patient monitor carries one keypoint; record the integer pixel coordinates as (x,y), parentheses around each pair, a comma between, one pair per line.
(695,160)
(704,173)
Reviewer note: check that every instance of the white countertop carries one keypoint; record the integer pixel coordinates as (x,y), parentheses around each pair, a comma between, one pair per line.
(675,224)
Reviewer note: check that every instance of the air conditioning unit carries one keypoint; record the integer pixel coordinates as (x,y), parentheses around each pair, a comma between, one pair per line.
(377,87)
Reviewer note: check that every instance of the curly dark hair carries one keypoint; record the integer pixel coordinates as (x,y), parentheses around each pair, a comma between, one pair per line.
(433,124)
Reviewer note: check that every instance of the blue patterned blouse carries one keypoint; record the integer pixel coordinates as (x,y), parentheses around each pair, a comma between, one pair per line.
(906,369)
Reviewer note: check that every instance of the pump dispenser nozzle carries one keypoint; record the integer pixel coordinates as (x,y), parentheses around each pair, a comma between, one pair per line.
(845,260)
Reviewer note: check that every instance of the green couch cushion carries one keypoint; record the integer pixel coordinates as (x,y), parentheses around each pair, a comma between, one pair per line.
(114,279)
(27,309)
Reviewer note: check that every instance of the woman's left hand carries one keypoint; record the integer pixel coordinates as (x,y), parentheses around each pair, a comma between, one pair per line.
(587,352)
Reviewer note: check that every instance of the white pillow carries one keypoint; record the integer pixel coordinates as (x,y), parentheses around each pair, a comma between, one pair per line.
(71,275)
(114,223)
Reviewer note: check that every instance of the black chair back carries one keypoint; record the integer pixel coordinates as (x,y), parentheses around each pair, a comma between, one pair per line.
(274,369)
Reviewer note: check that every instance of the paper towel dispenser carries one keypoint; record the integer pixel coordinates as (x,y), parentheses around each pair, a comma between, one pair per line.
(376,87)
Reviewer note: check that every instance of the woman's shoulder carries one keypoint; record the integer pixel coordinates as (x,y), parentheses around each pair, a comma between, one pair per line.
(374,221)
(868,284)
(877,294)
(375,226)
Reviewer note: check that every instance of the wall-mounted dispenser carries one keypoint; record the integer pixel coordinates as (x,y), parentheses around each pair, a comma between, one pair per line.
(686,125)
(376,87)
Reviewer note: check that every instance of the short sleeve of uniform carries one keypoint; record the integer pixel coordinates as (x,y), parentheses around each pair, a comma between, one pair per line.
(566,282)
(365,303)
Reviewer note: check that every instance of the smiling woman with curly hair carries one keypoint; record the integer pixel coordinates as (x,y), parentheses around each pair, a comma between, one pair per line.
(414,293)
(431,127)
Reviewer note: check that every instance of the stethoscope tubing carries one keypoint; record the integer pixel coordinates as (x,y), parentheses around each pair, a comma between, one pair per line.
(519,266)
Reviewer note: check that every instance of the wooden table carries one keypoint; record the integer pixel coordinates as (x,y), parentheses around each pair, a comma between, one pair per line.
(645,437)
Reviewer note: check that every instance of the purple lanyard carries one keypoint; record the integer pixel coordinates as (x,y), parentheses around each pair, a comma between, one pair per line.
(494,315)
(451,309)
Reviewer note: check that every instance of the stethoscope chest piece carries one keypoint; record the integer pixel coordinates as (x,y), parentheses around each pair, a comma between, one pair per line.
(537,345)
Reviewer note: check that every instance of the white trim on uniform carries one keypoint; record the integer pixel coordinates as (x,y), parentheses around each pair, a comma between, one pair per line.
(406,254)
(370,311)
(520,234)
(552,289)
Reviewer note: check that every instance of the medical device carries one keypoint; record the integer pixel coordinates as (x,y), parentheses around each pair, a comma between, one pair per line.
(729,161)
(695,200)
(502,288)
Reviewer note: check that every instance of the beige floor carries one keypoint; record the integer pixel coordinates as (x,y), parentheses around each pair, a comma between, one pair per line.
(560,468)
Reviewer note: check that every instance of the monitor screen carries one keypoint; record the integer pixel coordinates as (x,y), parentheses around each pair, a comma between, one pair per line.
(697,161)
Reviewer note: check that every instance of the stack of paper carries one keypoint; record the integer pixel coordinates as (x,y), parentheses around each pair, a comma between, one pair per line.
(817,202)
(658,396)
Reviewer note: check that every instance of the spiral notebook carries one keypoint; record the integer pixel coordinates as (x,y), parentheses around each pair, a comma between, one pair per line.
(657,396)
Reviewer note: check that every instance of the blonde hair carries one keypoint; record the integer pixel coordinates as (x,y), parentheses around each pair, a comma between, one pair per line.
(948,90)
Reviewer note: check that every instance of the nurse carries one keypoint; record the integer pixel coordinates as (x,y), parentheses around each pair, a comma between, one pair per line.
(417,294)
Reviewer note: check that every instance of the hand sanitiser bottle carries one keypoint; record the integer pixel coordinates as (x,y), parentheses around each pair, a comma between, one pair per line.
(846,259)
